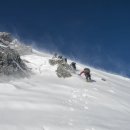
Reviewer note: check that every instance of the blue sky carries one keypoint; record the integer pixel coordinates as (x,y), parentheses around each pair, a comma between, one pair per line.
(95,32)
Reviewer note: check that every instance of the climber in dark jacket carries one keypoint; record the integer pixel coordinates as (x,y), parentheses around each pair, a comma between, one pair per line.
(73,65)
(87,74)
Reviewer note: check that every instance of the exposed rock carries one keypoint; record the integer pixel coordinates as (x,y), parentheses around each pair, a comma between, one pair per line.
(10,61)
(63,70)
(5,38)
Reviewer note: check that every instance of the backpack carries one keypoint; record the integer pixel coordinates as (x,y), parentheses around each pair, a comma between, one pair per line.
(87,70)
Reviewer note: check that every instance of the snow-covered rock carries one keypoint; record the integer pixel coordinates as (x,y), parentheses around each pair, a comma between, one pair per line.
(5,38)
(10,61)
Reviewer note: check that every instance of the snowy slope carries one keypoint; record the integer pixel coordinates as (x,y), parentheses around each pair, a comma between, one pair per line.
(45,102)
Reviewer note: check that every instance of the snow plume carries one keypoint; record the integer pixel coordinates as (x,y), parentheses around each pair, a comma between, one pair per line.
(118,65)
(44,44)
(95,56)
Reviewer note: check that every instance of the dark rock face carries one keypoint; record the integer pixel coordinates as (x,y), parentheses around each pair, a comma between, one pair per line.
(10,61)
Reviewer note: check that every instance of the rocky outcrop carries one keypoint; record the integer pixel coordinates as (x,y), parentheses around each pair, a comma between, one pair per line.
(64,70)
(5,38)
(10,61)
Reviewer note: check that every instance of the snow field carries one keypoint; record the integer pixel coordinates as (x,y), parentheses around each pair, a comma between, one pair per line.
(45,102)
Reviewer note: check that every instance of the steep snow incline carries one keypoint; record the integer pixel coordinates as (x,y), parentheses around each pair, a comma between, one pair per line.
(46,102)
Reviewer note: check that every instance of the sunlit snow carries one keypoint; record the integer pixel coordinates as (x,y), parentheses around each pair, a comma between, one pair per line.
(45,102)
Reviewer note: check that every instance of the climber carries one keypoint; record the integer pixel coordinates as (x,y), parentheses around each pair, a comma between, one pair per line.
(65,60)
(87,74)
(73,65)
